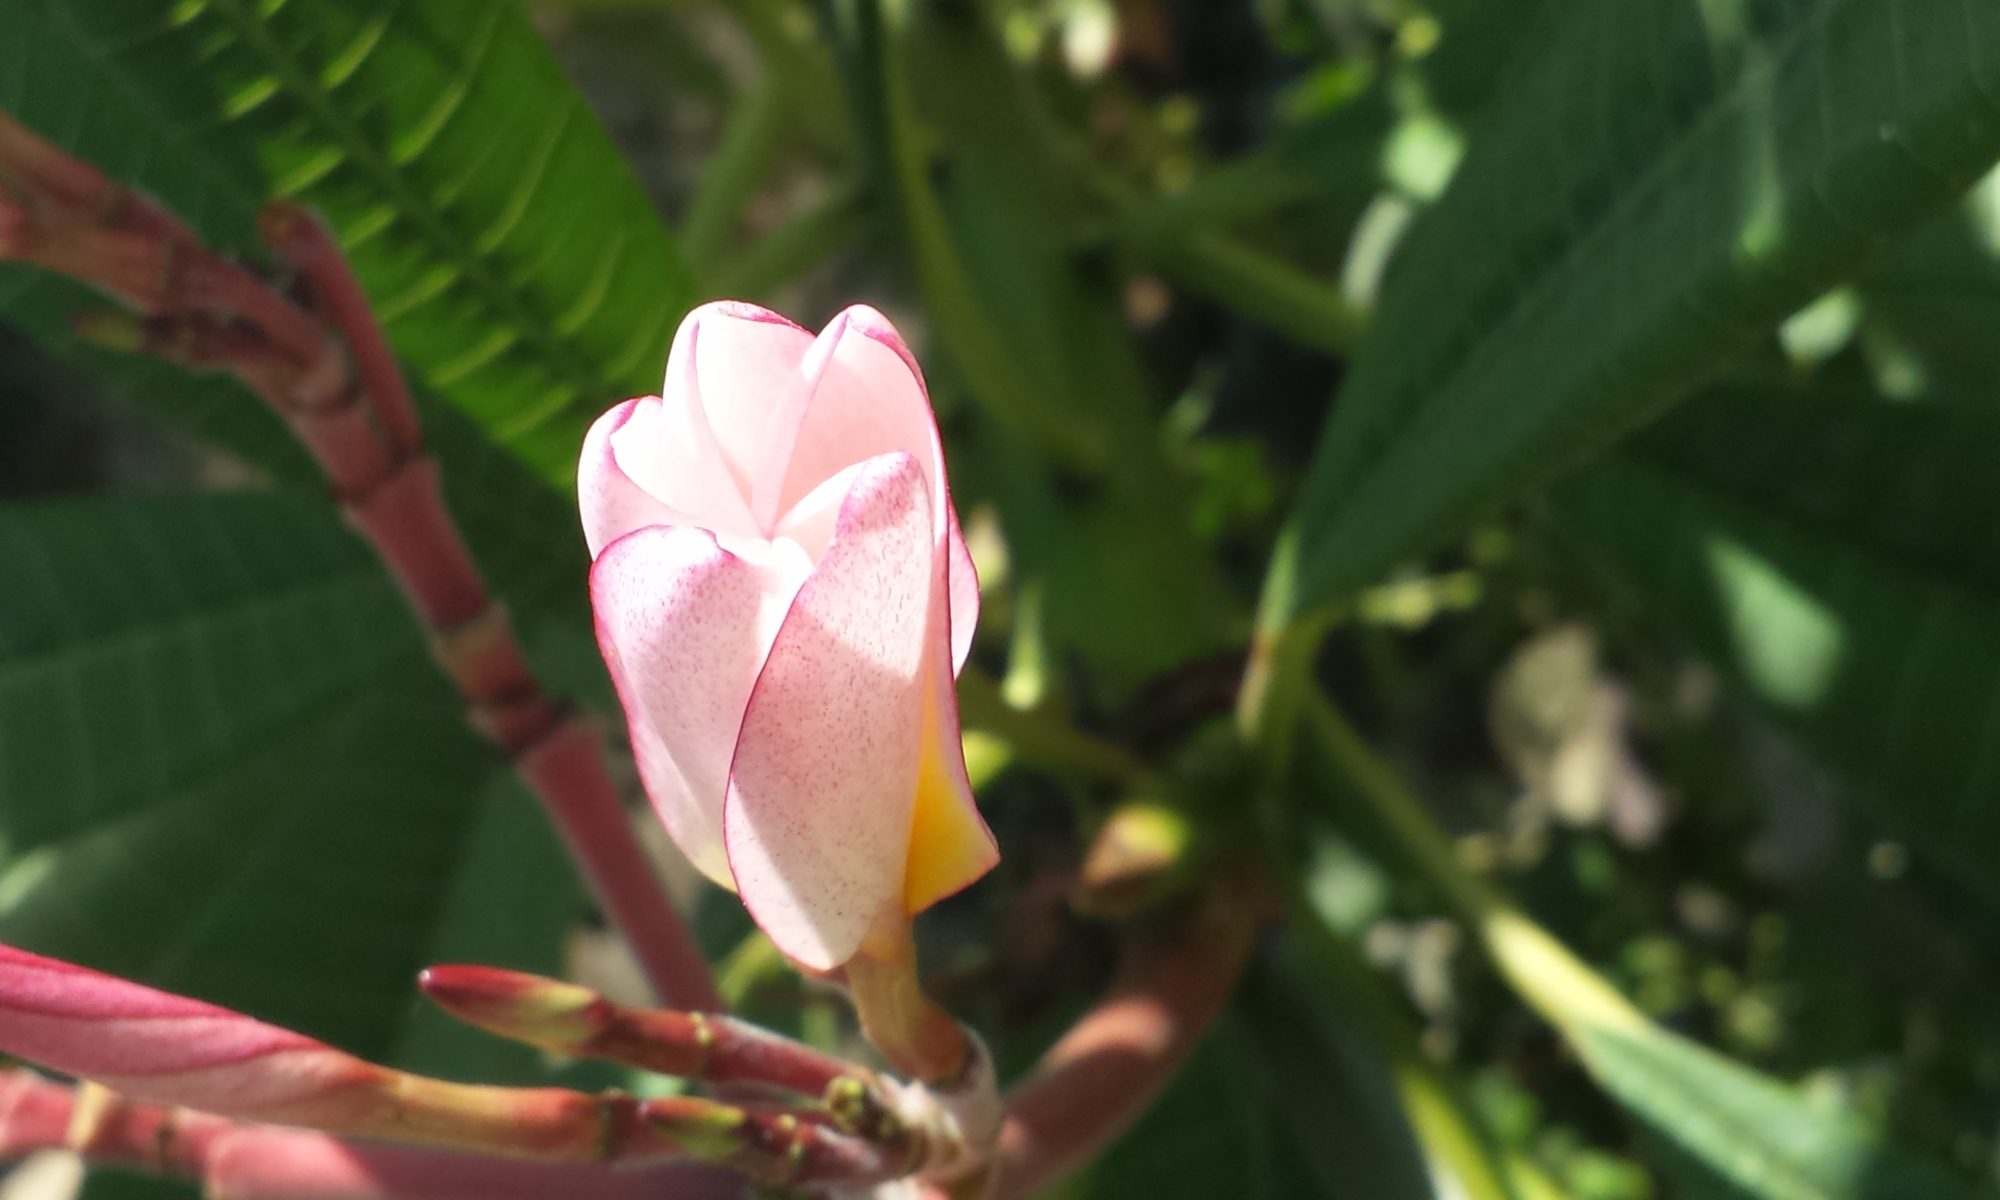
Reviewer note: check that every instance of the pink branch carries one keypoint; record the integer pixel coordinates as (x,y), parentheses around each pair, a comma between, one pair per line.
(244,1161)
(161,1049)
(263,1163)
(1107,1069)
(325,368)
(574,1021)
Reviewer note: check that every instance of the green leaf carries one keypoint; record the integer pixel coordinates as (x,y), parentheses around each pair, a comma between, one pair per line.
(554,254)
(1662,180)
(1092,539)
(1332,1083)
(1760,1136)
(519,269)
(1256,1114)
(227,768)
(1936,297)
(1825,550)
(144,641)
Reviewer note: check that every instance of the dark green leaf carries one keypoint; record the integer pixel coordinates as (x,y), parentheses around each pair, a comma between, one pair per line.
(1827,551)
(521,272)
(227,768)
(1662,180)
(1758,1135)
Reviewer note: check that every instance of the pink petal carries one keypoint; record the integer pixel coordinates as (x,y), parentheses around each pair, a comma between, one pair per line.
(818,818)
(950,844)
(736,361)
(666,448)
(859,394)
(685,626)
(963,594)
(613,505)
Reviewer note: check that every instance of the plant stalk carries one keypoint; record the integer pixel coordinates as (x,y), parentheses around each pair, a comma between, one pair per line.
(322,364)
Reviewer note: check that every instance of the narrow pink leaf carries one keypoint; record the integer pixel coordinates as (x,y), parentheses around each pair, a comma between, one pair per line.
(159,1048)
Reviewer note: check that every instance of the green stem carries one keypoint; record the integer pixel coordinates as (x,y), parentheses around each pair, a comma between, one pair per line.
(875,30)
(1205,259)
(1544,972)
(749,141)
(919,1039)
(1431,1102)
(1040,740)
(792,248)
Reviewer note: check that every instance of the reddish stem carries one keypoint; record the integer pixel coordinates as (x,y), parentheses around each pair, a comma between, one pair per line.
(305,242)
(39,1114)
(1104,1072)
(327,370)
(242,1159)
(287,1164)
(572,1020)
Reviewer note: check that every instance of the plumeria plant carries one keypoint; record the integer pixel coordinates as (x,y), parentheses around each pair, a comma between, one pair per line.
(520,717)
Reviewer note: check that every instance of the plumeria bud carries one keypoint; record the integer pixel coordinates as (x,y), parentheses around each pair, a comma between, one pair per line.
(160,1048)
(566,1018)
(784,600)
(552,1014)
(1143,853)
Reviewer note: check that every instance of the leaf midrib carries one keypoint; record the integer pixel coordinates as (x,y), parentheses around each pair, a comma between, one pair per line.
(558,355)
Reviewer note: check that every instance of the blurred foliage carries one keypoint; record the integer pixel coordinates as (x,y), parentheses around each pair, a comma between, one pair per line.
(1596,401)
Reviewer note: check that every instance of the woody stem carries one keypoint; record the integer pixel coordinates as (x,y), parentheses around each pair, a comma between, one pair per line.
(319,360)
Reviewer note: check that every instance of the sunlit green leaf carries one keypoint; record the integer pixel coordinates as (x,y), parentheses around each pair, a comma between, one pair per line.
(1662,181)
(1760,1136)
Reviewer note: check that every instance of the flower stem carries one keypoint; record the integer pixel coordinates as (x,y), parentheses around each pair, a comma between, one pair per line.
(1543,971)
(918,1038)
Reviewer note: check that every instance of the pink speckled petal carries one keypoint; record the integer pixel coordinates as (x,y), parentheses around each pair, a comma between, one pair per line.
(859,394)
(821,791)
(737,360)
(684,626)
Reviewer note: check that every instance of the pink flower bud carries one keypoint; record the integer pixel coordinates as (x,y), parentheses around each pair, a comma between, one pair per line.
(784,600)
(169,1049)
(159,1048)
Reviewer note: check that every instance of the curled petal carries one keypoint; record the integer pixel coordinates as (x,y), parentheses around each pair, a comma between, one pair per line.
(950,844)
(668,450)
(684,626)
(818,817)
(736,361)
(857,395)
(611,503)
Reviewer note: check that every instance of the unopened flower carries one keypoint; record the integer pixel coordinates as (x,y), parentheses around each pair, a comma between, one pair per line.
(784,600)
